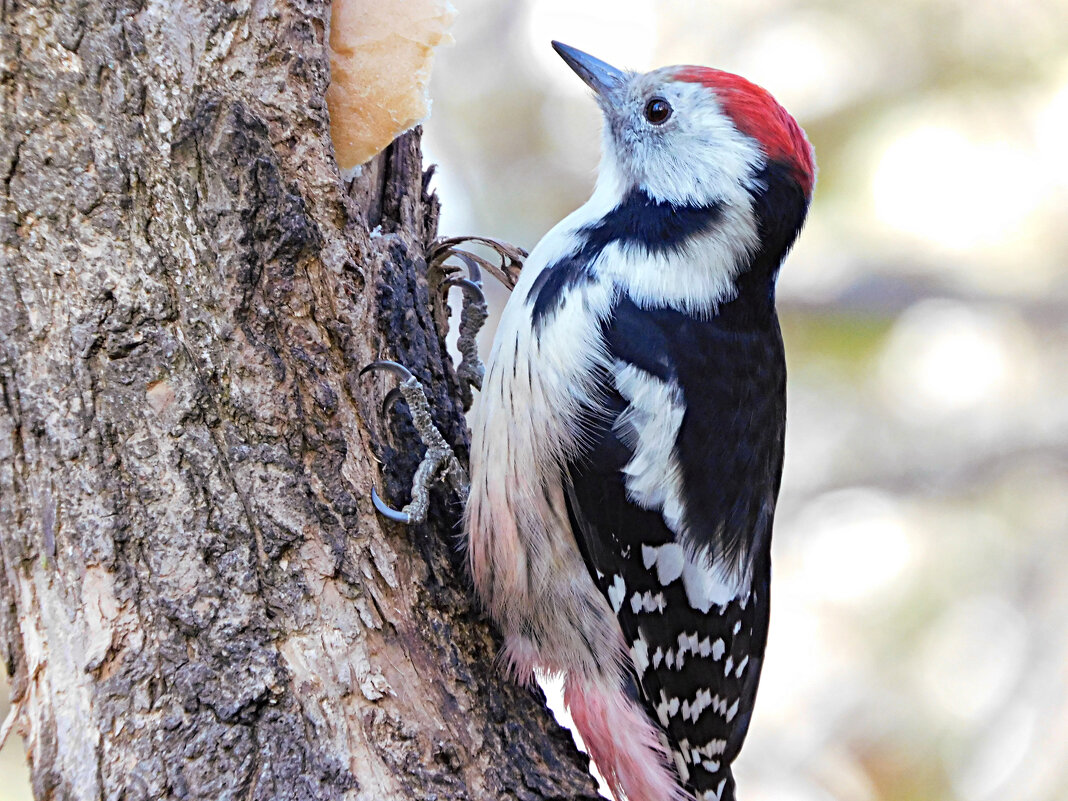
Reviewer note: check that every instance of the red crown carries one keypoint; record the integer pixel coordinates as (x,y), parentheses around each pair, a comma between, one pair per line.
(757,114)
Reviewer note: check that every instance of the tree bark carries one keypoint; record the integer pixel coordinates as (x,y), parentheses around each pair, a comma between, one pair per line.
(197,599)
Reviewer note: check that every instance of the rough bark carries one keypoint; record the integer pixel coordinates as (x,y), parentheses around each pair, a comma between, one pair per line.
(196,597)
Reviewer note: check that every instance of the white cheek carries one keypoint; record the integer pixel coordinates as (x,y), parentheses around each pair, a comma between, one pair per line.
(699,157)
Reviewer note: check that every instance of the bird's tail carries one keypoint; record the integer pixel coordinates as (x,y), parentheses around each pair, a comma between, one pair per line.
(624,743)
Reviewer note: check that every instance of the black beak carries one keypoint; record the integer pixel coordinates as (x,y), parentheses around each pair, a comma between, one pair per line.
(602,78)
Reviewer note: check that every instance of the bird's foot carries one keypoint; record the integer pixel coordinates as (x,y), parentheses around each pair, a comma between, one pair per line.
(439,462)
(510,257)
(473,313)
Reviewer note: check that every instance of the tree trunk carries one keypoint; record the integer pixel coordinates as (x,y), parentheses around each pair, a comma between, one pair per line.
(198,600)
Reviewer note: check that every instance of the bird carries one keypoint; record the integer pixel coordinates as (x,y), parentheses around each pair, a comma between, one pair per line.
(627,445)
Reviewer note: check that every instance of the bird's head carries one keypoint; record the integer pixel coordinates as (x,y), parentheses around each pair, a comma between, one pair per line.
(693,135)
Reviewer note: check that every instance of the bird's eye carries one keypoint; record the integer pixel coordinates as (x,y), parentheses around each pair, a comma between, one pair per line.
(657,111)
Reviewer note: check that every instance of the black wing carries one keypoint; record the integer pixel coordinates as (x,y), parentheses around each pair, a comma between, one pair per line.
(697,663)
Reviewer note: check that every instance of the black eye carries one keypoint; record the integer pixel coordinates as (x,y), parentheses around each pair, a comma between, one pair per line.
(657,111)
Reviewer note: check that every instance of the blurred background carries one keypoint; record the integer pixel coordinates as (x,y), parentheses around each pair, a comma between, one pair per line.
(919,639)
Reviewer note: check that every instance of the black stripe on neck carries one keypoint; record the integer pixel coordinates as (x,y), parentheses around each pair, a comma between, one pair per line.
(654,225)
(657,227)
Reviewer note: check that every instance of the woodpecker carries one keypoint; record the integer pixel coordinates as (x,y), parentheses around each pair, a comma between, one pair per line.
(628,444)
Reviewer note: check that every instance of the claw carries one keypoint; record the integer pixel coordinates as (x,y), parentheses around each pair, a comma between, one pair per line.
(399,370)
(392,397)
(466,284)
(386,510)
(472,285)
(438,462)
(511,257)
(473,271)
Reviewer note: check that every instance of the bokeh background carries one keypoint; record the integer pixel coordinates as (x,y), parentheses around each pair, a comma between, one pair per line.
(919,639)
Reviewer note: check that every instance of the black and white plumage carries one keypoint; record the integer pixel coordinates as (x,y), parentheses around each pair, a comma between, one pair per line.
(628,445)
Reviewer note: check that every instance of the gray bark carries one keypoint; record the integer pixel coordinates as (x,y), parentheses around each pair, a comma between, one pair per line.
(196,597)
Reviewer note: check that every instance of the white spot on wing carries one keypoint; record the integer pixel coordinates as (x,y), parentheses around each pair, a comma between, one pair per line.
(667,708)
(714,795)
(688,644)
(684,747)
(702,701)
(639,652)
(670,561)
(693,709)
(649,602)
(719,705)
(732,711)
(707,585)
(616,590)
(714,747)
(649,556)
